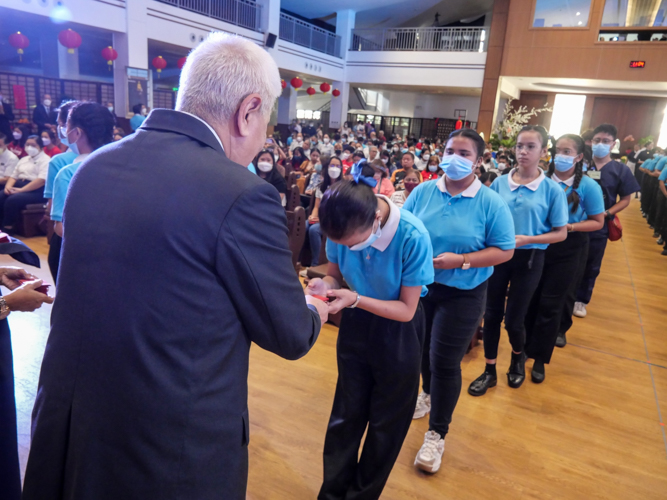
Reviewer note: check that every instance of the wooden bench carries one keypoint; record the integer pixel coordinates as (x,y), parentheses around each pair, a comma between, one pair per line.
(29,224)
(296,225)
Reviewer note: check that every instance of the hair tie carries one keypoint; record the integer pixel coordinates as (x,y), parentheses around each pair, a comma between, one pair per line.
(358,177)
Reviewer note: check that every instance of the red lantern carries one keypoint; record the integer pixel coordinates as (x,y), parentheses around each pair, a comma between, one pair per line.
(181,62)
(20,42)
(311,91)
(70,39)
(283,83)
(325,87)
(110,55)
(159,64)
(335,92)
(296,82)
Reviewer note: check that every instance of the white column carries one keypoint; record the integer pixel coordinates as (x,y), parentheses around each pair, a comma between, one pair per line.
(287,105)
(270,19)
(120,94)
(339,105)
(344,25)
(68,64)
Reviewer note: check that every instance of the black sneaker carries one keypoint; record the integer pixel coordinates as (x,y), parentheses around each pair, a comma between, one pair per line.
(561,340)
(664,252)
(660,241)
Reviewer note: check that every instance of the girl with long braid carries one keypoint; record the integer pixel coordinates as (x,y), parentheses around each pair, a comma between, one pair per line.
(564,261)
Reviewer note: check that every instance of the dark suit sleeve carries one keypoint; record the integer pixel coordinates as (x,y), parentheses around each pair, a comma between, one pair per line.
(39,116)
(9,113)
(255,265)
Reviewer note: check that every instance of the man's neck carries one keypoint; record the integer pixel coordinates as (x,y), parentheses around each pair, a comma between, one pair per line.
(601,162)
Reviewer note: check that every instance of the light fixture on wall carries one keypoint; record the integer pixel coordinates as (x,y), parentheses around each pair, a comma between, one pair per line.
(567,115)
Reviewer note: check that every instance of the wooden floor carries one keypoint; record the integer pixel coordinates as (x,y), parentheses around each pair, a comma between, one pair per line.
(592,430)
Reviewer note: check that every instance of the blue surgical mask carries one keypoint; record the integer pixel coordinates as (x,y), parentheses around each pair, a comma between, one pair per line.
(404,150)
(601,150)
(318,167)
(63,135)
(563,163)
(456,167)
(372,238)
(74,148)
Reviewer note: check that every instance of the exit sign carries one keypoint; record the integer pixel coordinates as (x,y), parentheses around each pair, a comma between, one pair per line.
(637,64)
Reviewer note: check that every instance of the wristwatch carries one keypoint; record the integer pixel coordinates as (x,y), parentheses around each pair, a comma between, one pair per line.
(4,308)
(466,263)
(353,306)
(608,215)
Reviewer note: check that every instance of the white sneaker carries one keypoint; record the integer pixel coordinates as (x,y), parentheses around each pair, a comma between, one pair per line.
(429,457)
(423,407)
(304,272)
(579,310)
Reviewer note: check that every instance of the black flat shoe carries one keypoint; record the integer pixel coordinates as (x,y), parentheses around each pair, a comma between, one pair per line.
(517,371)
(537,374)
(561,340)
(656,234)
(479,386)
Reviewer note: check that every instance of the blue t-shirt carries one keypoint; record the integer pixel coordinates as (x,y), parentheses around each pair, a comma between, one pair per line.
(136,121)
(406,261)
(616,180)
(473,220)
(56,164)
(590,198)
(536,208)
(650,164)
(663,175)
(60,187)
(660,165)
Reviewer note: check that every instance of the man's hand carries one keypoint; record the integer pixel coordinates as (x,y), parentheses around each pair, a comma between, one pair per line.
(320,306)
(26,298)
(317,286)
(448,260)
(313,220)
(10,276)
(344,298)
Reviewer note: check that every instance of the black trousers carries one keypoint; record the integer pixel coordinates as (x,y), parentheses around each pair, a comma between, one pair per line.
(452,317)
(11,205)
(661,215)
(645,188)
(378,382)
(571,296)
(55,245)
(561,261)
(654,191)
(597,244)
(522,274)
(10,473)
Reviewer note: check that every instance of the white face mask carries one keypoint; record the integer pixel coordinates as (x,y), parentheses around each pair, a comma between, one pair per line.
(110,108)
(144,112)
(432,168)
(334,172)
(299,140)
(47,102)
(32,151)
(265,166)
(46,141)
(425,157)
(346,155)
(502,166)
(326,140)
(17,135)
(276,157)
(385,160)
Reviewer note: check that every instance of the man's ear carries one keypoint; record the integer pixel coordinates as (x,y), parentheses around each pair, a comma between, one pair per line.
(248,110)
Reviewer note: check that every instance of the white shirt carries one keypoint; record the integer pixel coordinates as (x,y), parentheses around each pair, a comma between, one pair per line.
(327,149)
(399,197)
(29,169)
(390,227)
(8,162)
(532,185)
(567,182)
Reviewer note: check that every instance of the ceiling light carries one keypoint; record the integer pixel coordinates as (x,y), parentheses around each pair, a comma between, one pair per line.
(578,13)
(580,23)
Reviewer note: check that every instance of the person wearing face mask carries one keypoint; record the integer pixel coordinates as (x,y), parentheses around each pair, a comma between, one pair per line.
(44,114)
(26,184)
(347,158)
(308,166)
(8,161)
(19,135)
(385,158)
(407,165)
(421,161)
(298,159)
(265,165)
(384,254)
(111,109)
(316,175)
(539,211)
(564,261)
(433,170)
(326,148)
(410,181)
(6,117)
(503,164)
(48,139)
(384,185)
(618,184)
(139,116)
(471,231)
(297,142)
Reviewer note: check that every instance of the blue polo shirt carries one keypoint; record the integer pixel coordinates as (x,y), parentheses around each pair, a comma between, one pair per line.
(661,164)
(650,164)
(56,164)
(60,187)
(136,121)
(616,180)
(473,220)
(536,208)
(590,197)
(663,175)
(402,256)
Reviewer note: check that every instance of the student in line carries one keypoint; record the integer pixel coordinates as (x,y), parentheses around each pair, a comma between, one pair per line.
(539,211)
(471,231)
(384,254)
(565,260)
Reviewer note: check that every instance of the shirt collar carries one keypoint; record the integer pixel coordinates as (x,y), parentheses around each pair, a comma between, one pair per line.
(80,158)
(205,123)
(390,227)
(567,182)
(533,185)
(469,192)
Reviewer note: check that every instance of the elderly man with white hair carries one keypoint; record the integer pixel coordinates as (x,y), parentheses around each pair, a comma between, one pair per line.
(175,259)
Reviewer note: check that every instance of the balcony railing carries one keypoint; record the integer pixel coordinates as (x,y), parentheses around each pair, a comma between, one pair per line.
(308,35)
(244,13)
(420,39)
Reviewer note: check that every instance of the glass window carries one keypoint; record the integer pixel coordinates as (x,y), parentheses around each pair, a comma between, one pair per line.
(300,113)
(561,13)
(567,115)
(628,13)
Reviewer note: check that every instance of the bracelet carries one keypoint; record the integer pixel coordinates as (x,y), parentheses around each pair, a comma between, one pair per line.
(4,308)
(570,228)
(354,306)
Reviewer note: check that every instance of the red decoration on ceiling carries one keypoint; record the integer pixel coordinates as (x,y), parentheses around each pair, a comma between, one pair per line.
(335,92)
(110,55)
(20,42)
(296,82)
(283,83)
(325,87)
(181,62)
(159,64)
(70,39)
(459,125)
(311,91)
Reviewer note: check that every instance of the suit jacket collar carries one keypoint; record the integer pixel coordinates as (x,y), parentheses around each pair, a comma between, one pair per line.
(184,124)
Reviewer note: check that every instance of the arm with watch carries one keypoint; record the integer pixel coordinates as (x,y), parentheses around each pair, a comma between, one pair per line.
(490,256)
(402,309)
(23,297)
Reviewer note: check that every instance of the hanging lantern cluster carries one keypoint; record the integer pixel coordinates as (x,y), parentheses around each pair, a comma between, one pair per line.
(110,55)
(159,64)
(181,62)
(20,42)
(70,39)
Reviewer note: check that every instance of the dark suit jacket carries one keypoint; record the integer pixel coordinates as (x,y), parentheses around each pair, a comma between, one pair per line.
(5,119)
(41,117)
(174,260)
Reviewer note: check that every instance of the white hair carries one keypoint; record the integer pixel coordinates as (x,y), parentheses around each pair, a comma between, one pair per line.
(221,72)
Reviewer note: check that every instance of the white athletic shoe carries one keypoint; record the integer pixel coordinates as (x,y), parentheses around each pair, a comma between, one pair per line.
(423,407)
(304,272)
(429,457)
(579,310)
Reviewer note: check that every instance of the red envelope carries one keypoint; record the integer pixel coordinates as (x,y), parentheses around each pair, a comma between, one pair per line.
(42,289)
